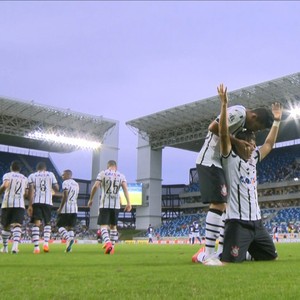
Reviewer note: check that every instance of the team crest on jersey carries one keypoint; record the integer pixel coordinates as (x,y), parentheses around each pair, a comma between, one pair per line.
(223,190)
(235,251)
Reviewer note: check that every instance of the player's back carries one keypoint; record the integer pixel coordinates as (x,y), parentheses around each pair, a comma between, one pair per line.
(42,182)
(14,194)
(72,188)
(111,182)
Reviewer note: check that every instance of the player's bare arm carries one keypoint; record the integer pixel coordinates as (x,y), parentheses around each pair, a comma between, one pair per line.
(225,144)
(125,190)
(243,148)
(63,201)
(268,145)
(96,185)
(55,187)
(4,186)
(30,197)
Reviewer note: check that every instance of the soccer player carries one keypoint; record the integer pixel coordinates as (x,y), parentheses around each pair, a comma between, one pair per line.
(196,232)
(41,185)
(67,211)
(150,232)
(211,176)
(110,181)
(191,234)
(276,233)
(244,229)
(15,189)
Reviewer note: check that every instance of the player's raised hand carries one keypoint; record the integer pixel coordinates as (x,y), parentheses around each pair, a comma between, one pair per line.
(277,110)
(222,91)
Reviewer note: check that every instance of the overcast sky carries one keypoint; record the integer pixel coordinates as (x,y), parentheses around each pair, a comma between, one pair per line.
(125,60)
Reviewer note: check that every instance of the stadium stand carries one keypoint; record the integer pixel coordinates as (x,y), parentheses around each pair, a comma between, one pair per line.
(178,227)
(284,218)
(281,164)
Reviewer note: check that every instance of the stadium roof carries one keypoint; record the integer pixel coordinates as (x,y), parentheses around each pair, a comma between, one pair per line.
(18,119)
(185,126)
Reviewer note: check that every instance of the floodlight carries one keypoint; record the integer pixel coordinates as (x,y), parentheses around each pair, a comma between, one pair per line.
(65,140)
(295,112)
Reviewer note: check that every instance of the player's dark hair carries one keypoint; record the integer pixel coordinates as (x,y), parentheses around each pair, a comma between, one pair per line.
(111,163)
(41,166)
(246,135)
(264,116)
(69,172)
(15,166)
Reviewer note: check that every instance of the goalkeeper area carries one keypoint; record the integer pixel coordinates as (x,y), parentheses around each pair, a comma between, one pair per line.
(146,271)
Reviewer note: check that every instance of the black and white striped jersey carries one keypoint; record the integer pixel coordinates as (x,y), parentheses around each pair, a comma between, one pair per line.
(42,182)
(14,194)
(242,187)
(72,188)
(210,151)
(111,182)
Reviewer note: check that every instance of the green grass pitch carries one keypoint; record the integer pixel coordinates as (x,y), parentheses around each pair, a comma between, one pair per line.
(142,271)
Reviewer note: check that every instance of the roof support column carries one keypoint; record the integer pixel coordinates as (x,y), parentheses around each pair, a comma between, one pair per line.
(109,150)
(149,172)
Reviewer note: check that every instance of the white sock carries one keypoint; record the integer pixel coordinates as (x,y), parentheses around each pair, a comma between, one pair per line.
(71,234)
(63,233)
(5,237)
(17,231)
(47,234)
(35,236)
(212,230)
(221,237)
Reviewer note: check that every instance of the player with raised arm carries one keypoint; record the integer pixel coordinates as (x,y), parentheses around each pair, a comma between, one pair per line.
(212,180)
(244,229)
(110,181)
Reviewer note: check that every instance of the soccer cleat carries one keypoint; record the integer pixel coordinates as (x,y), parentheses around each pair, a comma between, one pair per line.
(199,256)
(112,251)
(46,248)
(14,251)
(36,251)
(69,245)
(108,248)
(212,261)
(217,255)
(4,250)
